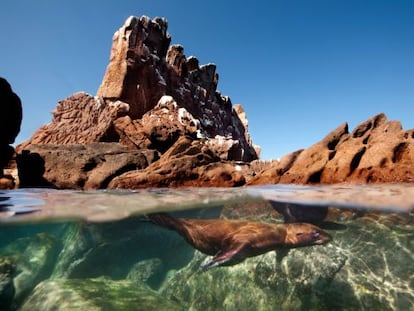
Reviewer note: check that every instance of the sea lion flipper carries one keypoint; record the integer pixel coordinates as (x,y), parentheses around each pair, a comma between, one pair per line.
(223,258)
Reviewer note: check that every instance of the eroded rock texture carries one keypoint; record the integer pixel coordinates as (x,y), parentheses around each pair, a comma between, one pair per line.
(151,95)
(187,163)
(377,150)
(79,119)
(87,166)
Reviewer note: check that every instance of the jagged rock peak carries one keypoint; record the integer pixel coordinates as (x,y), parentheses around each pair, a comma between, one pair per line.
(143,70)
(137,54)
(144,67)
(153,32)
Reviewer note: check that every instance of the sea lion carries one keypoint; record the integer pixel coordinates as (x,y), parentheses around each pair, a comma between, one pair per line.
(295,212)
(231,241)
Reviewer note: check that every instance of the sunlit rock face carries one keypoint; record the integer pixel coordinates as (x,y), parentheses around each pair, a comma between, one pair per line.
(377,150)
(151,95)
(144,67)
(187,163)
(79,119)
(137,55)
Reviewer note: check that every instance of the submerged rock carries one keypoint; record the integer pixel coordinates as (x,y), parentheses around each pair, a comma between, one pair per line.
(7,290)
(258,283)
(123,264)
(96,294)
(147,271)
(365,267)
(34,258)
(118,249)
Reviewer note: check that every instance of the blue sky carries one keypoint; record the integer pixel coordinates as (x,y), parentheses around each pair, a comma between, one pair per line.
(300,68)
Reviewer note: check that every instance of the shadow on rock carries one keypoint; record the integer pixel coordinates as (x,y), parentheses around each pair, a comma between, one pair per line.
(31,168)
(6,153)
(331,294)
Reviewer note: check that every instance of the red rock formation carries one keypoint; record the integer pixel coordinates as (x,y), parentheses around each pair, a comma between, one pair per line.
(187,163)
(153,97)
(137,64)
(143,68)
(87,166)
(150,97)
(377,150)
(159,128)
(79,119)
(143,72)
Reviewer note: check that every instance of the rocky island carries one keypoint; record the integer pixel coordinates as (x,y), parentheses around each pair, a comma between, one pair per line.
(158,120)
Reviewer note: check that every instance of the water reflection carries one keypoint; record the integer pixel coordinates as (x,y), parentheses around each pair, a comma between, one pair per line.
(11,205)
(4,206)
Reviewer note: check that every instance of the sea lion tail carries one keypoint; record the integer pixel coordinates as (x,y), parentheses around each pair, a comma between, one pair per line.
(164,220)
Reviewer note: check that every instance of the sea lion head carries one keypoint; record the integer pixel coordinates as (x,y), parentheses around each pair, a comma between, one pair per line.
(304,234)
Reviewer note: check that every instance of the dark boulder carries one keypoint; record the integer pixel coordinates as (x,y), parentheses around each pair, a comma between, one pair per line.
(10,121)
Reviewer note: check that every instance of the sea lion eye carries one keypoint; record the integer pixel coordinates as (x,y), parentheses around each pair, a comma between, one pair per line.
(299,234)
(315,234)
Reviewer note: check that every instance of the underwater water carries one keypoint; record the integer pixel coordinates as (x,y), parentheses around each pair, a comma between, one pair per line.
(97,250)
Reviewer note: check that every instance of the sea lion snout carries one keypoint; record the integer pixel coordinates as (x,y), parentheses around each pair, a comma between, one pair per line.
(304,234)
(321,237)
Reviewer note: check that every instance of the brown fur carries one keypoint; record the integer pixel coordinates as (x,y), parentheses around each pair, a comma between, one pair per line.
(231,241)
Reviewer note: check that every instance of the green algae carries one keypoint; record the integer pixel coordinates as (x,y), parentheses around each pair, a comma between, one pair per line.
(95,294)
